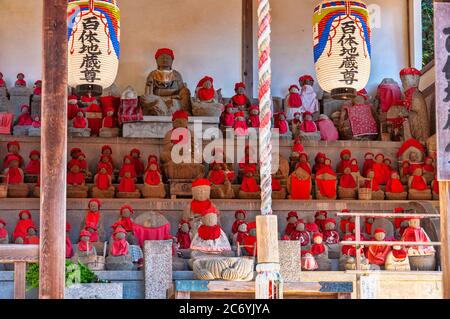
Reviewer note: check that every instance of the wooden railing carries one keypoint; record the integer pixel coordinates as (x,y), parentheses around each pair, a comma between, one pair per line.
(19,255)
(358,243)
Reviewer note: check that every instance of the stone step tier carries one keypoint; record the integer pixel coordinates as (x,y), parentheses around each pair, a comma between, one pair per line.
(91,146)
(172,209)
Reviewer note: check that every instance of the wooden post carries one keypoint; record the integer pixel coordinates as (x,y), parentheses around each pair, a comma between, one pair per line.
(247,45)
(358,239)
(20,269)
(442,54)
(267,239)
(53,150)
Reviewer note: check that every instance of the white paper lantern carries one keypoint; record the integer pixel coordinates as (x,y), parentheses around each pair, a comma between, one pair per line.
(94,43)
(342,49)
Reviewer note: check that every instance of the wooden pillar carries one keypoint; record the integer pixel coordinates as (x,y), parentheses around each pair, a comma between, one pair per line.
(442,55)
(247,45)
(53,150)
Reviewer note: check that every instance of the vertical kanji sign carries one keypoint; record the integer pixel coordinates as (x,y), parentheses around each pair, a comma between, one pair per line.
(442,56)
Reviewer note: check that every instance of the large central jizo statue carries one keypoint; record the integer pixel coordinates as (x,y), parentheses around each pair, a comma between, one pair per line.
(165,91)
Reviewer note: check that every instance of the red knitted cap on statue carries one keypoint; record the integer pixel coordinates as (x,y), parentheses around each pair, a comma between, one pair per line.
(126,207)
(119,229)
(204,80)
(96,200)
(379,231)
(307,113)
(410,71)
(239,114)
(317,235)
(410,143)
(10,158)
(35,152)
(294,87)
(201,182)
(346,152)
(12,143)
(240,211)
(180,115)
(399,210)
(292,214)
(106,147)
(321,212)
(135,150)
(162,51)
(2,222)
(85,233)
(27,212)
(253,107)
(306,77)
(330,220)
(239,85)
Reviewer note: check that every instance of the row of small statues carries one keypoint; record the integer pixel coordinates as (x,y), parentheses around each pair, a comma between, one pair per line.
(399,115)
(200,238)
(294,179)
(319,238)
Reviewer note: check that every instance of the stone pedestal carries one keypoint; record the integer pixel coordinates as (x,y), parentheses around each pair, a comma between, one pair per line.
(290,262)
(19,96)
(35,105)
(158,268)
(94,291)
(158,126)
(4,101)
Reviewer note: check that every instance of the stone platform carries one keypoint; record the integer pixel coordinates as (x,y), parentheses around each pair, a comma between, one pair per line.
(172,209)
(121,146)
(158,126)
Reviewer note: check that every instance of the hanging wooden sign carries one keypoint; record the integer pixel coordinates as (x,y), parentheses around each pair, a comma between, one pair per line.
(442,57)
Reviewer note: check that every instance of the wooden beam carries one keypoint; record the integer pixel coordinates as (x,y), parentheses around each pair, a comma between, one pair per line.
(14,253)
(20,270)
(247,45)
(53,150)
(442,53)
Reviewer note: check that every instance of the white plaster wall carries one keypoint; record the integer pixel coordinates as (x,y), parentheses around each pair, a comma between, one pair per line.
(20,40)
(205,35)
(292,45)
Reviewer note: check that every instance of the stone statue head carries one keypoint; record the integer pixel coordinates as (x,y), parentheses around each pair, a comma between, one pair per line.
(164,61)
(380,236)
(318,240)
(31,231)
(414,223)
(19,241)
(210,219)
(410,80)
(300,226)
(120,235)
(93,206)
(185,228)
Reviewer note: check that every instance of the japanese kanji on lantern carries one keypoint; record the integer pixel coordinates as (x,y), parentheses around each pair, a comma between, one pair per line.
(94,44)
(342,47)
